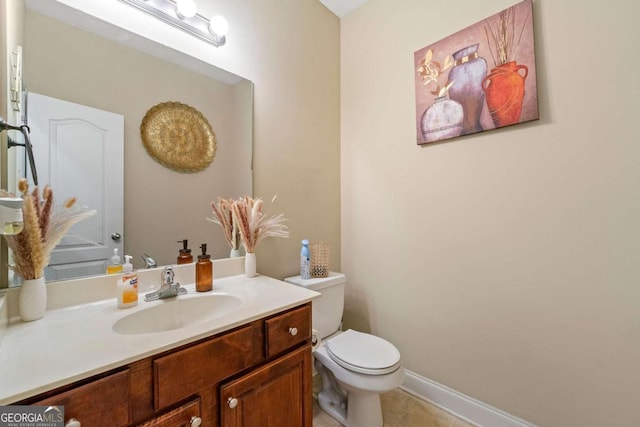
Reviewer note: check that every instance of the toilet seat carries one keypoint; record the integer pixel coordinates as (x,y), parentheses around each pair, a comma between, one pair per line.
(363,353)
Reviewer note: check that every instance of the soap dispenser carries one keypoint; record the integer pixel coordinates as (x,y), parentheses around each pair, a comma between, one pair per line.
(114,266)
(204,271)
(127,285)
(184,256)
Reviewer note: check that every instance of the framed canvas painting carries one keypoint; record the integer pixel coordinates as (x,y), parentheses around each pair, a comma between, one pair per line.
(480,78)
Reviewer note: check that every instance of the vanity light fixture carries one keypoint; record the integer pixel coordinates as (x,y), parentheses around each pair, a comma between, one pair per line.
(186,9)
(183,14)
(15,86)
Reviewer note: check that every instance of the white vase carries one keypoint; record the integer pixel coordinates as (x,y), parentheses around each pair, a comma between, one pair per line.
(235,253)
(250,264)
(32,301)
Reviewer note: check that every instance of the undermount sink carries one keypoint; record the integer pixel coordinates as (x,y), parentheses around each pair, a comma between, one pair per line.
(176,313)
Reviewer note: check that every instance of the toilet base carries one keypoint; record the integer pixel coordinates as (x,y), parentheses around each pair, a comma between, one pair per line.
(365,410)
(359,410)
(330,399)
(336,408)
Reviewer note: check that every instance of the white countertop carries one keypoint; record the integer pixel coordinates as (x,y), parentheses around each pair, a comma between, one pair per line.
(76,342)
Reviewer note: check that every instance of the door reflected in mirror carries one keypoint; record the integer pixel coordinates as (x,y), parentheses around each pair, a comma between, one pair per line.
(80,155)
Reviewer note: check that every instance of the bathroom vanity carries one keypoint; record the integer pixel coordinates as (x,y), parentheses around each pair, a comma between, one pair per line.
(250,366)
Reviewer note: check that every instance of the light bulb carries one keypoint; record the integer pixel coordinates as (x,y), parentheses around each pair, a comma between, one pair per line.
(218,26)
(186,8)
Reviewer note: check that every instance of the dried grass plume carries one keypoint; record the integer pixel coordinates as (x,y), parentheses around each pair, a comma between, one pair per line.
(503,37)
(252,224)
(223,216)
(44,227)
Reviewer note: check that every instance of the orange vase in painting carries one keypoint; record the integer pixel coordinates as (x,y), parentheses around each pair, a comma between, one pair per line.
(504,89)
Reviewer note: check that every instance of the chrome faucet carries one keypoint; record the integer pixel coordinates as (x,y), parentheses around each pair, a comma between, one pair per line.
(148,261)
(168,289)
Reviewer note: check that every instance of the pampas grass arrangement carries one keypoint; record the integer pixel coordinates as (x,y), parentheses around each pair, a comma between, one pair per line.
(247,217)
(223,216)
(254,225)
(44,227)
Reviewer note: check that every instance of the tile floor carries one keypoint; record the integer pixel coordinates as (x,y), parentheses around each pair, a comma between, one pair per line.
(399,409)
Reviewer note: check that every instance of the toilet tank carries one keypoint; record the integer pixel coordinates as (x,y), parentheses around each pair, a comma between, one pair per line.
(327,309)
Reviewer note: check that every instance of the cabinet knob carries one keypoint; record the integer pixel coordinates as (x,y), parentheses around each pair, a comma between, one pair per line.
(73,423)
(232,402)
(195,421)
(293,331)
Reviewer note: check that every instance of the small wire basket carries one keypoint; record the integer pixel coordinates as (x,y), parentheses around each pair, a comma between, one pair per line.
(319,259)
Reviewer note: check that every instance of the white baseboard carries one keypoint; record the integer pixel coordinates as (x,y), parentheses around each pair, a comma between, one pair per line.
(464,407)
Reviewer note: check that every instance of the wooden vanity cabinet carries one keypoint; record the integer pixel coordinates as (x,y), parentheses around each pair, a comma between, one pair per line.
(277,394)
(256,375)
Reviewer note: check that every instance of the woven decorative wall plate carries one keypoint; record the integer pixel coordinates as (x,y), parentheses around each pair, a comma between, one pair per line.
(178,136)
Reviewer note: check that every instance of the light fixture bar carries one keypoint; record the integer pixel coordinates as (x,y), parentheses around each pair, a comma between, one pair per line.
(165,10)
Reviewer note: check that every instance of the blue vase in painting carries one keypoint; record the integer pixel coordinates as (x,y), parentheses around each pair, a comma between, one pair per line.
(468,73)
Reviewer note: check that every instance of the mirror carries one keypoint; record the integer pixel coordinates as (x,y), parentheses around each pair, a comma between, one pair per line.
(123,73)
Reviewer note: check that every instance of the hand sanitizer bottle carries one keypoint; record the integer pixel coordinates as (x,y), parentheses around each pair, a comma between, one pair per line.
(127,285)
(305,261)
(114,265)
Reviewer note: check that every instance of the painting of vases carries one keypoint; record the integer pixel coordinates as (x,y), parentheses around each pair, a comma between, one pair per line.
(487,69)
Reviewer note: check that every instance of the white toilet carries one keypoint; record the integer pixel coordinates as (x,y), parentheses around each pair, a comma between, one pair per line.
(355,367)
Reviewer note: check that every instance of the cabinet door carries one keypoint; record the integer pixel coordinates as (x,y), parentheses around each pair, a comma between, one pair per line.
(275,395)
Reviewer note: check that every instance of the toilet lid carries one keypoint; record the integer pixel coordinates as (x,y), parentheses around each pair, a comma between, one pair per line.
(363,353)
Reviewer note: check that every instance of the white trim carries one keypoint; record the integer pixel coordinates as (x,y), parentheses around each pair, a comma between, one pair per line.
(464,407)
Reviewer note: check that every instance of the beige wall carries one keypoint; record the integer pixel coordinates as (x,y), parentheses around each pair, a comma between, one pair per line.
(504,265)
(290,50)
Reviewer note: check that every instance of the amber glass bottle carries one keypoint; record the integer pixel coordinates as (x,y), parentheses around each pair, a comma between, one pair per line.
(204,271)
(184,256)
